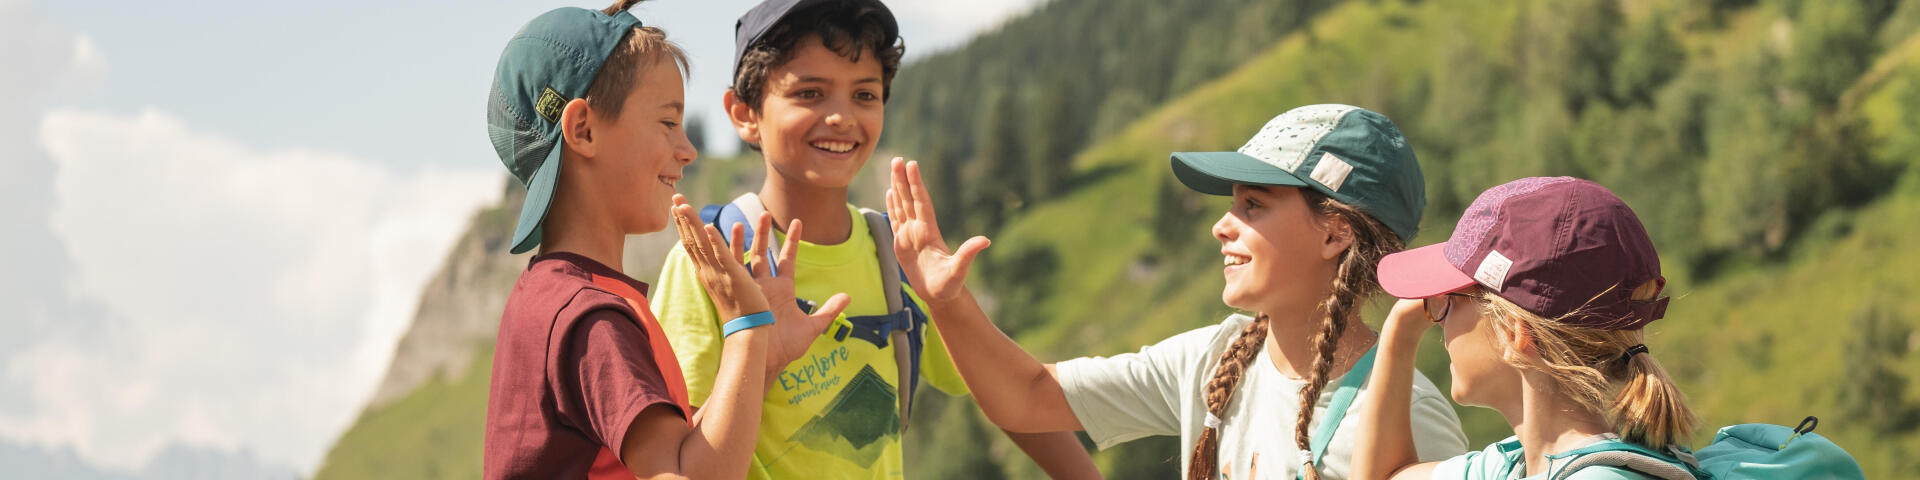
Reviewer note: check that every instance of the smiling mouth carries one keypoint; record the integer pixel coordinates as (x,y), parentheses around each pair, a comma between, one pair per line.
(834,146)
(1236,260)
(669,181)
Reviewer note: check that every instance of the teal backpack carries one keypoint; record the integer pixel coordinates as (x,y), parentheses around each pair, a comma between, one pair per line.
(1749,451)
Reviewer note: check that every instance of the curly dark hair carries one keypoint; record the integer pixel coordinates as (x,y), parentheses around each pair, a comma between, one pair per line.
(849,28)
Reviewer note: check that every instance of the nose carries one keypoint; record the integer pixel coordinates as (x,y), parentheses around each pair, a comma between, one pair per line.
(1223,229)
(841,121)
(684,151)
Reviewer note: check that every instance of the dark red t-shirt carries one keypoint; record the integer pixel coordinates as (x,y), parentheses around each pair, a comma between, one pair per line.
(577,358)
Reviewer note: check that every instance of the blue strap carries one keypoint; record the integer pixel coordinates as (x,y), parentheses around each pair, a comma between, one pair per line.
(723,216)
(745,322)
(1342,399)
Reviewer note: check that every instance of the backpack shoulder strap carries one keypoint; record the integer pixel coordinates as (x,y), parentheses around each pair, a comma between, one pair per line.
(742,210)
(1343,397)
(1626,460)
(908,359)
(1627,456)
(882,231)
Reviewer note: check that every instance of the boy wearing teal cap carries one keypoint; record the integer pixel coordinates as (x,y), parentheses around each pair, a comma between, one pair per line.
(585,111)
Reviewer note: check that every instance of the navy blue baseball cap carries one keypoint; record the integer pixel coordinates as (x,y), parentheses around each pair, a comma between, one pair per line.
(768,13)
(551,61)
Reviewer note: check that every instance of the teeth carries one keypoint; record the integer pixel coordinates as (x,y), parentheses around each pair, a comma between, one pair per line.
(835,147)
(1232,260)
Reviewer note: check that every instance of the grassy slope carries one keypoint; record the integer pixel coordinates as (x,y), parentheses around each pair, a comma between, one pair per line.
(435,432)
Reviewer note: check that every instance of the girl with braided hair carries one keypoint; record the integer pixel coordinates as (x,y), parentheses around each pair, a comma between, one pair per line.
(1320,195)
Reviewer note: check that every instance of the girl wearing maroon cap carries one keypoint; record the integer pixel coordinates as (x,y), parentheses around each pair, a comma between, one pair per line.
(1542,292)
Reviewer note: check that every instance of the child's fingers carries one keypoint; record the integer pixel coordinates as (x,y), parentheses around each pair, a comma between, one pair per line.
(758,252)
(791,249)
(965,255)
(902,193)
(827,311)
(690,238)
(711,246)
(922,205)
(737,247)
(893,211)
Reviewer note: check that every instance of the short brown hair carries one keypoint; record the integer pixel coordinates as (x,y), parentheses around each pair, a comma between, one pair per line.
(847,31)
(620,74)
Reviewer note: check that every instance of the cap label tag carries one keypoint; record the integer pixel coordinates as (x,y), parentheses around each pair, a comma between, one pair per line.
(1332,171)
(549,104)
(1493,271)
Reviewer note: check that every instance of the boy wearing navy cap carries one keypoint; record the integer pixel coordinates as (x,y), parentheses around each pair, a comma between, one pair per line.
(809,91)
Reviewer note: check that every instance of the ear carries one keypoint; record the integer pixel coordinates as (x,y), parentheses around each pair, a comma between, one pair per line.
(746,122)
(576,128)
(1339,237)
(1520,341)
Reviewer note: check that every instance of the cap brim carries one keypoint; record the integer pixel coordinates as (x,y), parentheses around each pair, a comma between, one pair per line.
(533,213)
(1215,173)
(1420,273)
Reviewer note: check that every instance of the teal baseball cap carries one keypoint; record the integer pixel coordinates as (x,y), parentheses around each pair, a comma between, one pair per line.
(1352,154)
(549,62)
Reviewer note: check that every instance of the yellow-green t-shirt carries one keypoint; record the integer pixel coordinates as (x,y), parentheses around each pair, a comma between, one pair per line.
(834,412)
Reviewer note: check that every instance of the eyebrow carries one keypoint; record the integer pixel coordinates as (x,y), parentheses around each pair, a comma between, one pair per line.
(817,79)
(676,106)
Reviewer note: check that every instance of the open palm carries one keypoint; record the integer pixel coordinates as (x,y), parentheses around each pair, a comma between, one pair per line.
(797,328)
(935,271)
(737,290)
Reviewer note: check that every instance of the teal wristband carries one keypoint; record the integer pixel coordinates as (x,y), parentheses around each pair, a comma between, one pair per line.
(746,322)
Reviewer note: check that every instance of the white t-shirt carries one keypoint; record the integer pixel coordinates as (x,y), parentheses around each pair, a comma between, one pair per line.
(1161,391)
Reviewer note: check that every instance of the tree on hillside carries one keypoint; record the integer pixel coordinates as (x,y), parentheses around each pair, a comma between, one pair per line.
(997,176)
(1053,135)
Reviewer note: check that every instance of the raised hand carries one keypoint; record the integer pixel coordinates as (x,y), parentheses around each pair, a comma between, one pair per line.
(717,264)
(1408,318)
(935,272)
(796,329)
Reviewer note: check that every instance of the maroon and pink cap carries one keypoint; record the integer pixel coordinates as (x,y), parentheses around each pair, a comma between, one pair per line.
(1560,247)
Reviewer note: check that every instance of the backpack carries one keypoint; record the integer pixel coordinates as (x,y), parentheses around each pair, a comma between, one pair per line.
(903,324)
(1738,452)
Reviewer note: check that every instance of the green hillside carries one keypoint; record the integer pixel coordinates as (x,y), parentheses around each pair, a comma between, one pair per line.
(1766,143)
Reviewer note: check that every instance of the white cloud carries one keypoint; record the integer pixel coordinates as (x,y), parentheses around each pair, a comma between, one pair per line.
(87,57)
(253,296)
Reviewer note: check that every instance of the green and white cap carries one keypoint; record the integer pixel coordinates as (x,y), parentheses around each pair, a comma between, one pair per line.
(1352,154)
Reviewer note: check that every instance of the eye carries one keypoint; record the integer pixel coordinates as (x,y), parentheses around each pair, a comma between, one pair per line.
(670,124)
(807,94)
(867,96)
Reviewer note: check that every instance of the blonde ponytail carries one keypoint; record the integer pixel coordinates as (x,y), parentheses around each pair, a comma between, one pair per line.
(1603,371)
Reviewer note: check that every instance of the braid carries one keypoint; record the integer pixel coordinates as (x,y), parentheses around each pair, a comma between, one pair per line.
(1339,307)
(1353,281)
(1205,463)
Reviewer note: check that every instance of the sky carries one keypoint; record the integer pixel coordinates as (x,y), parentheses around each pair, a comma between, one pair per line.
(219,214)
